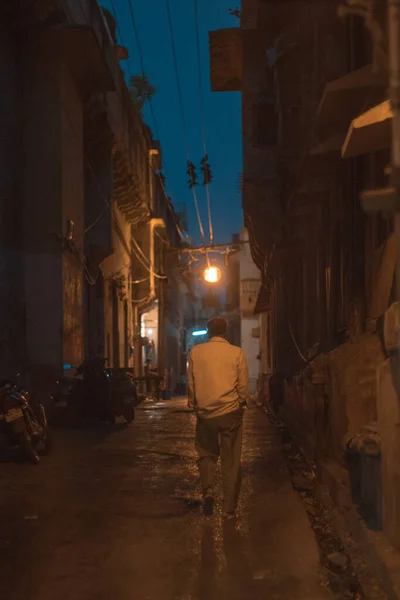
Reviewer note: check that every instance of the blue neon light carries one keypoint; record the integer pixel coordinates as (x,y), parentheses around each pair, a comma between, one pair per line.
(200,332)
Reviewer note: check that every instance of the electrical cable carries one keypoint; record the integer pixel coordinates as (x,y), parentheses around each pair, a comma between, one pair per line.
(182,113)
(147,267)
(202,112)
(141,59)
(138,248)
(164,241)
(100,216)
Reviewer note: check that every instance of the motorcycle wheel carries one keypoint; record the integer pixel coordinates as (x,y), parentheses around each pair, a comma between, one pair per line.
(28,451)
(45,445)
(129,413)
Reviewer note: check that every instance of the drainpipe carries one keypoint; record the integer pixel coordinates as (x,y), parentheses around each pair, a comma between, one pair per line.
(138,306)
(154,224)
(153,153)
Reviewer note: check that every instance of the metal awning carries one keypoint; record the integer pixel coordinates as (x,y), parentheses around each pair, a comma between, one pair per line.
(343,98)
(369,132)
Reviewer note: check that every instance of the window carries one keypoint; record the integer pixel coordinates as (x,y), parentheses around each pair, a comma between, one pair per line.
(249,287)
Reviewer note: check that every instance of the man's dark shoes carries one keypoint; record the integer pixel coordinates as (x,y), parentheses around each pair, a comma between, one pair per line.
(208,507)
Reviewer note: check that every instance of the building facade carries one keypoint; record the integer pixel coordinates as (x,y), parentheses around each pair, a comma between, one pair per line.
(80,191)
(316,133)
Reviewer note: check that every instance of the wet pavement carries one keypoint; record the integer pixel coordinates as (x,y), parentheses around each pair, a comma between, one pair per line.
(114,514)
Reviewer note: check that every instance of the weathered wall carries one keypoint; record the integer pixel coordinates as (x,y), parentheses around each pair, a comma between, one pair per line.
(11,268)
(72,207)
(251,349)
(332,399)
(42,191)
(260,199)
(115,267)
(250,345)
(52,190)
(389,425)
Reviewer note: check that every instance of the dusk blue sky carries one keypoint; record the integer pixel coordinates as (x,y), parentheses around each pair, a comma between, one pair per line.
(222,110)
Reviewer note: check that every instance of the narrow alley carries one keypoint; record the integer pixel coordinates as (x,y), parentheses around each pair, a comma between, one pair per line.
(115,513)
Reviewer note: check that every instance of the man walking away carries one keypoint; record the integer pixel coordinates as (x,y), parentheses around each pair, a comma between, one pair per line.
(218,390)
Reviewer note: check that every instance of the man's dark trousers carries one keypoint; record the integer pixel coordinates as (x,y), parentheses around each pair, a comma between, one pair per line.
(221,437)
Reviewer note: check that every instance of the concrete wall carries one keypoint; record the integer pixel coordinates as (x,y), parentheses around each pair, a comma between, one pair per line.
(248,268)
(389,426)
(11,259)
(117,337)
(327,420)
(72,203)
(250,345)
(52,192)
(251,349)
(260,198)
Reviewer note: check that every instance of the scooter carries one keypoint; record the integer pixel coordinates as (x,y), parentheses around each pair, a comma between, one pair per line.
(20,426)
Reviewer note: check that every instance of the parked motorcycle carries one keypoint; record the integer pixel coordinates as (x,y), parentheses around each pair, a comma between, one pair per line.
(20,425)
(95,392)
(124,394)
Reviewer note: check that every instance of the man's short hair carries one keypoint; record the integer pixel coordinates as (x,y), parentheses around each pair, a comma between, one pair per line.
(217,326)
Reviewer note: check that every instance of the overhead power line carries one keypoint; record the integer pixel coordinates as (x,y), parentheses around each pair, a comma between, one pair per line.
(203,123)
(141,59)
(184,236)
(182,113)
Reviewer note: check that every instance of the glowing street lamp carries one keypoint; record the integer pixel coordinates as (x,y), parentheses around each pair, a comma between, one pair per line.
(212,274)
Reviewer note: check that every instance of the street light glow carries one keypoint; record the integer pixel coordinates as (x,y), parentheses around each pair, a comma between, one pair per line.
(200,332)
(212,274)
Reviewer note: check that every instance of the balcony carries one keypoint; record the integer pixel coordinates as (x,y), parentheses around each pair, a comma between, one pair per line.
(345,97)
(226,60)
(88,46)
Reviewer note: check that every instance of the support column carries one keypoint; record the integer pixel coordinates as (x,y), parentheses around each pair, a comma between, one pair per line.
(52,189)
